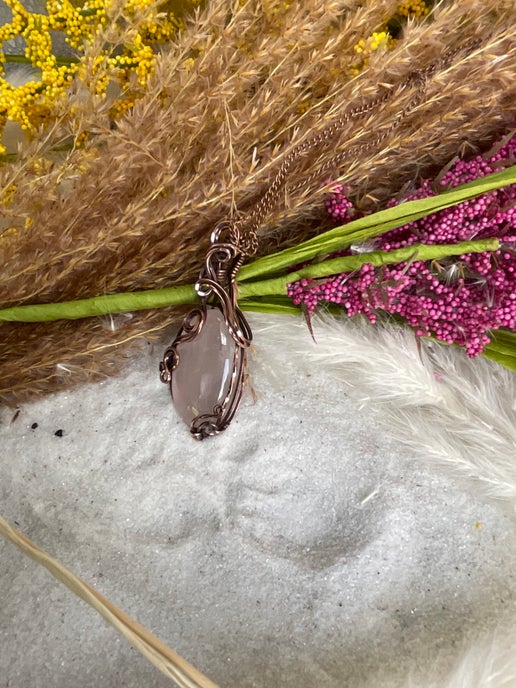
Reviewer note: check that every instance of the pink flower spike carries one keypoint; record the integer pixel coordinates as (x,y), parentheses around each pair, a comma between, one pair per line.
(459,300)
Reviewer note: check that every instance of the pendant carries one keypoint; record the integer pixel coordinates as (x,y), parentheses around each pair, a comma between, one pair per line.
(205,364)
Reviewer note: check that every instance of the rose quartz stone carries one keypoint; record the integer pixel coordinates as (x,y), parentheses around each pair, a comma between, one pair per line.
(202,377)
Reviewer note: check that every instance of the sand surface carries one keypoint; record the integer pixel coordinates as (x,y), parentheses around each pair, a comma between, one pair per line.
(303,547)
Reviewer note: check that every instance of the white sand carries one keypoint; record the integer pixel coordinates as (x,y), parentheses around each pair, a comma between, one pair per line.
(300,548)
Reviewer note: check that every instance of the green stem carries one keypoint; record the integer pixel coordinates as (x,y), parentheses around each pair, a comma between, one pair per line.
(101,305)
(21,59)
(346,264)
(176,296)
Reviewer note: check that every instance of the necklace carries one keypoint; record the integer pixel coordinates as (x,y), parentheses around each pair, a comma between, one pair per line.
(205,364)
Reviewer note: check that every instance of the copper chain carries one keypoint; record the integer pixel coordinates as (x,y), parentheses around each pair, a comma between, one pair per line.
(244,232)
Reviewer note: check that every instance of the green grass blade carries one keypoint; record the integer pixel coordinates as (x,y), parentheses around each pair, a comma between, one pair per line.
(502,348)
(270,304)
(505,360)
(374,225)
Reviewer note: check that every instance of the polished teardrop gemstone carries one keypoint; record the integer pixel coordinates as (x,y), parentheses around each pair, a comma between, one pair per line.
(205,368)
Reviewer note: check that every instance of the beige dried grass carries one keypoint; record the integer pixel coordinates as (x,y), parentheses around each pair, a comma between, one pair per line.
(242,86)
(163,657)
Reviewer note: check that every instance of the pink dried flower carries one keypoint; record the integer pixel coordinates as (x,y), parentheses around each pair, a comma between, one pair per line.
(457,300)
(338,206)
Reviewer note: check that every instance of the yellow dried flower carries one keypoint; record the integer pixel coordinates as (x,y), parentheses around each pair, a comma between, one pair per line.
(413,9)
(382,39)
(377,40)
(30,104)
(9,233)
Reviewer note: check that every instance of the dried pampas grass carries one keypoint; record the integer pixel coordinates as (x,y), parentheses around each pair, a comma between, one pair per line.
(242,86)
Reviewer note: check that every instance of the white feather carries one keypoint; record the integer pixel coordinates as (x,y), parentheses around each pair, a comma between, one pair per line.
(489,662)
(19,74)
(452,411)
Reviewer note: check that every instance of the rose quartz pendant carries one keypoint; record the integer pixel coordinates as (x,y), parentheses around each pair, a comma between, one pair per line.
(205,364)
